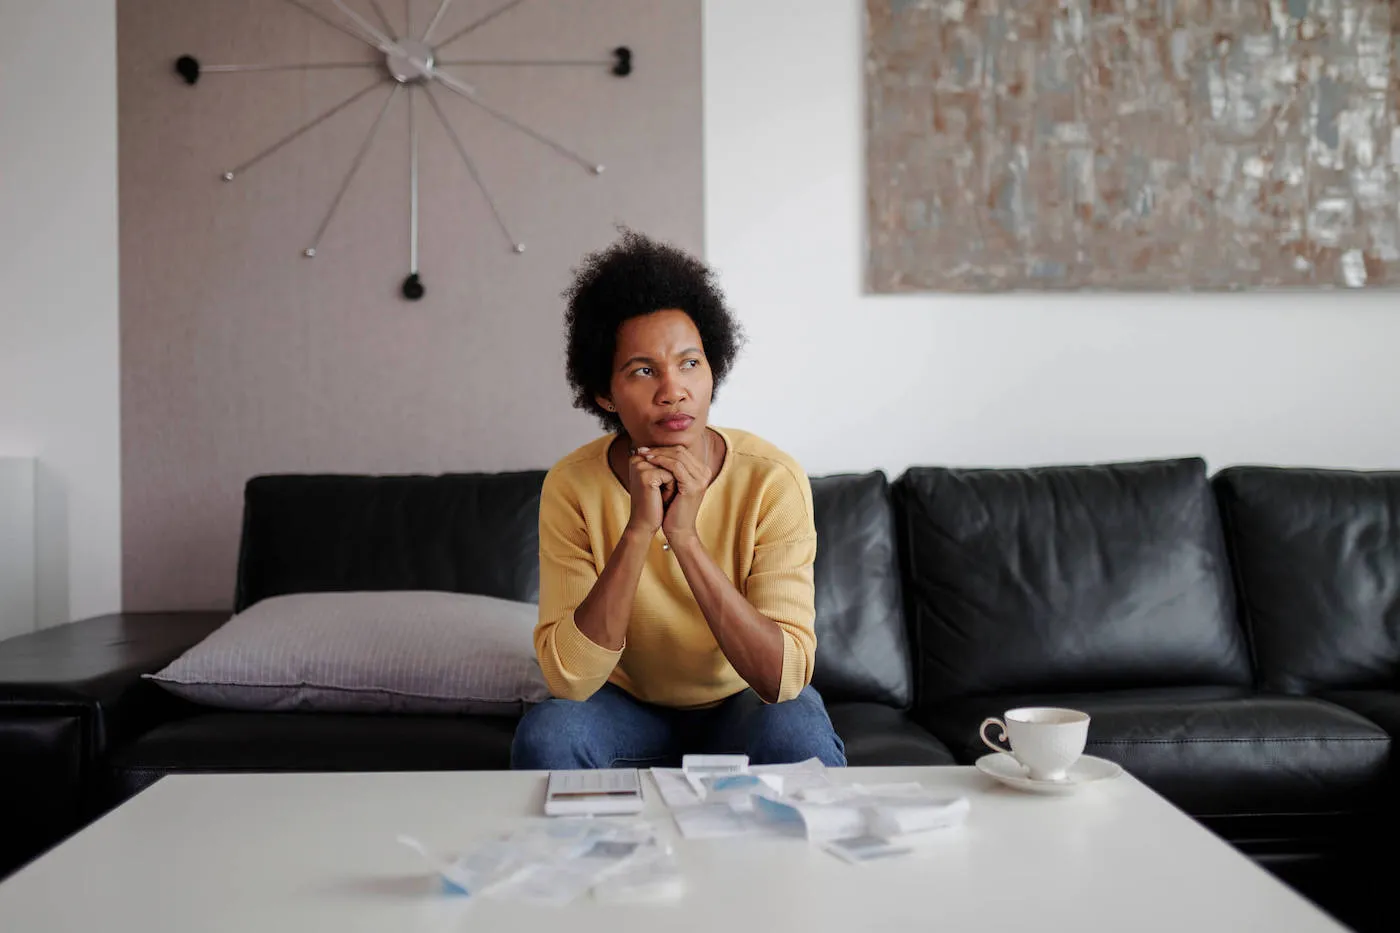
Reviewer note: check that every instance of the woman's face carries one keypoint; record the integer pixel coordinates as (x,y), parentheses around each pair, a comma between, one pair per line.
(661,381)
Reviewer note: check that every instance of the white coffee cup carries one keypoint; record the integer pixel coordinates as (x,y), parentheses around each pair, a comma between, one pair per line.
(1045,739)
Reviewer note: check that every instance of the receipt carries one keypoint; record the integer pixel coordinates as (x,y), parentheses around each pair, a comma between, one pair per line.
(552,862)
(817,822)
(721,820)
(864,813)
(896,816)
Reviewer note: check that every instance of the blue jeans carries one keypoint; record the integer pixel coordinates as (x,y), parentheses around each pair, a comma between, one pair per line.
(613,729)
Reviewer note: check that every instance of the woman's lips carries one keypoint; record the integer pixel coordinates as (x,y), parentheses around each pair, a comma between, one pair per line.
(676,423)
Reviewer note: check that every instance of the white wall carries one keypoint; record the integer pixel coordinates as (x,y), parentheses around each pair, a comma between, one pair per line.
(850,381)
(58,290)
(16,546)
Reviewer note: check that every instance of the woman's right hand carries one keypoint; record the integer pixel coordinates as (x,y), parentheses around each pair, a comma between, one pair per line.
(649,485)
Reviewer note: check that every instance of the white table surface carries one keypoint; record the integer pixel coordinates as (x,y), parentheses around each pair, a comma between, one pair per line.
(313,852)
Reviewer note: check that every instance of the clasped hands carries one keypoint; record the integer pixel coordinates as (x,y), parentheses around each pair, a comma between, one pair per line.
(667,485)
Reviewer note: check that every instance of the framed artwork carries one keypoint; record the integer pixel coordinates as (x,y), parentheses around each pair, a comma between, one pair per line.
(1132,144)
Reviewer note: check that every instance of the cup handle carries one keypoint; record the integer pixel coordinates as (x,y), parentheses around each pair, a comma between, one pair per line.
(982,734)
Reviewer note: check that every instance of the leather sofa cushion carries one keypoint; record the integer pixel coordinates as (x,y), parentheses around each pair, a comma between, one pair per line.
(1317,560)
(1067,578)
(1211,750)
(876,735)
(458,533)
(93,668)
(862,645)
(41,781)
(1382,707)
(259,742)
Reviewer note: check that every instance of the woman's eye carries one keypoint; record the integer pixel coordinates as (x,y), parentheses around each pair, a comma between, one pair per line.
(691,364)
(642,371)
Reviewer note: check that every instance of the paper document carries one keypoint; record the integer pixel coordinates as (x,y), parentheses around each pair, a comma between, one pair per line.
(890,817)
(804,776)
(801,800)
(674,788)
(558,860)
(721,820)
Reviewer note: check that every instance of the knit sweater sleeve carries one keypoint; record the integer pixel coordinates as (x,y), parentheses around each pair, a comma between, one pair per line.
(780,582)
(574,666)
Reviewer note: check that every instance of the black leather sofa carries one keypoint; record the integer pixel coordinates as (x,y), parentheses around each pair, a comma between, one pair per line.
(1236,640)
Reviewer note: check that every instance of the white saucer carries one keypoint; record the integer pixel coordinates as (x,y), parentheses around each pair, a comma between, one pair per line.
(1009,771)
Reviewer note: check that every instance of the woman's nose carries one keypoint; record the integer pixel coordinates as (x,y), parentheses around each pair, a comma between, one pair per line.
(670,391)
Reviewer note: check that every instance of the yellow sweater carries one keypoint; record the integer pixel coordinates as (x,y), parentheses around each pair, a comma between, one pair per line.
(755,521)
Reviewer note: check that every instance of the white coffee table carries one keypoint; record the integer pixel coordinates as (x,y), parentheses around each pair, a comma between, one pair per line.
(313,852)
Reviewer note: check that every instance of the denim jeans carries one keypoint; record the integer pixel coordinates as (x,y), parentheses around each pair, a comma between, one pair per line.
(612,729)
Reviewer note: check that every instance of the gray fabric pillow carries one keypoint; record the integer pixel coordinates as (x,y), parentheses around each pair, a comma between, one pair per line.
(401,652)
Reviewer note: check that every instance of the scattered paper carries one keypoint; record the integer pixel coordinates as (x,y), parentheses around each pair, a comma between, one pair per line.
(674,788)
(702,770)
(799,778)
(720,821)
(870,813)
(552,862)
(860,849)
(678,791)
(894,816)
(856,822)
(817,822)
(645,880)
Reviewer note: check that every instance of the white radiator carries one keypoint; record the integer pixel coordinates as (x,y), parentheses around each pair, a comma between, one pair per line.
(17,564)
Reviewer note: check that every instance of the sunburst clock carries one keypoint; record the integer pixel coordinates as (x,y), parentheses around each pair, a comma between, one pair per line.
(411,64)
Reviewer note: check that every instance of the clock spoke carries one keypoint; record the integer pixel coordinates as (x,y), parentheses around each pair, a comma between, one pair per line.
(450,82)
(383,18)
(294,67)
(493,62)
(312,11)
(471,169)
(305,127)
(412,187)
(437,18)
(382,42)
(354,168)
(478,23)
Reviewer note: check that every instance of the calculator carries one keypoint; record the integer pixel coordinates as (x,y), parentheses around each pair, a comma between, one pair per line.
(599,792)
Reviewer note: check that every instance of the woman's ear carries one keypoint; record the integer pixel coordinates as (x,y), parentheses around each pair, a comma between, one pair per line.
(605,403)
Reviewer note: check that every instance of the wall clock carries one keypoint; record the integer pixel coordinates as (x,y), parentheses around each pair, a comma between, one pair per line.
(410,65)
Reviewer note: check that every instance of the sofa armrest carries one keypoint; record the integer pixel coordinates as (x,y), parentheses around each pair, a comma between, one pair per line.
(94,667)
(67,695)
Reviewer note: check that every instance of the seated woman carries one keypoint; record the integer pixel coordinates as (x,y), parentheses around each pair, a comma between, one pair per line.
(676,594)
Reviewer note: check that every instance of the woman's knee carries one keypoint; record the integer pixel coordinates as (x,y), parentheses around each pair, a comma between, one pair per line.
(795,730)
(556,735)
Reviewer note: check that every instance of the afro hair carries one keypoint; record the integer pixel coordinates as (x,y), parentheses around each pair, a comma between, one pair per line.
(633,277)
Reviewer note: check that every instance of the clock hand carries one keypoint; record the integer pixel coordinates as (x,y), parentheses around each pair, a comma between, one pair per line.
(455,83)
(465,90)
(312,11)
(381,41)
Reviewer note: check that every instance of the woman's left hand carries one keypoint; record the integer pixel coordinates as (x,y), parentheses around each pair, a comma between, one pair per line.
(693,477)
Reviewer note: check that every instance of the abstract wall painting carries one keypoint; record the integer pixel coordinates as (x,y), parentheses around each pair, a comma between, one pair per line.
(1132,144)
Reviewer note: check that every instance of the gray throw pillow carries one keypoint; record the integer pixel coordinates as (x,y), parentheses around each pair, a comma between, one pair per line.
(401,652)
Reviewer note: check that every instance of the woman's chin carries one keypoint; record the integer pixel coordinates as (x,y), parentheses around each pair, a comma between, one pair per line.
(661,437)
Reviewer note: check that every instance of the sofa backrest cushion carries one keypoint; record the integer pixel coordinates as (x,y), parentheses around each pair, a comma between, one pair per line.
(1317,564)
(862,645)
(1067,578)
(479,533)
(459,533)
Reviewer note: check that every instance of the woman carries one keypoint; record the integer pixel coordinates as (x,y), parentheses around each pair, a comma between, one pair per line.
(676,596)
